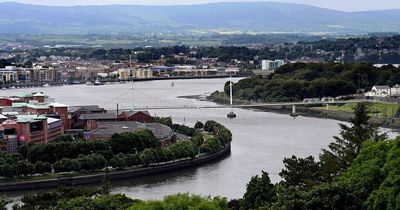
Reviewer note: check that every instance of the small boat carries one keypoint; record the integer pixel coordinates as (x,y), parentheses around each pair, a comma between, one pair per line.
(89,83)
(46,85)
(98,82)
(231,115)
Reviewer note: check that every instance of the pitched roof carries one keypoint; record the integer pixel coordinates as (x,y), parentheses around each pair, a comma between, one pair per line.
(131,113)
(58,105)
(382,87)
(90,108)
(38,94)
(98,116)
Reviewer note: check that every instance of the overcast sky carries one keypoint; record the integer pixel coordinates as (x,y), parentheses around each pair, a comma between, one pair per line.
(345,5)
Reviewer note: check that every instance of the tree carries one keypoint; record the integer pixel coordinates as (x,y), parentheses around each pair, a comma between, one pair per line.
(42,168)
(260,192)
(148,156)
(67,165)
(211,145)
(224,135)
(51,200)
(3,203)
(183,201)
(346,147)
(199,125)
(210,126)
(303,173)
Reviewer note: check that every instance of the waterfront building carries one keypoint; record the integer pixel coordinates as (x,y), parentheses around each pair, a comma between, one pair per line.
(76,112)
(137,116)
(379,91)
(23,129)
(104,131)
(269,65)
(395,90)
(8,74)
(45,74)
(142,73)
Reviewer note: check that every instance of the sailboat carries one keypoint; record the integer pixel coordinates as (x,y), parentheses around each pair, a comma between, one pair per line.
(231,114)
(98,82)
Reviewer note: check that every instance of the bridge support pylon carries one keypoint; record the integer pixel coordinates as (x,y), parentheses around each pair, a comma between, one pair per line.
(294,113)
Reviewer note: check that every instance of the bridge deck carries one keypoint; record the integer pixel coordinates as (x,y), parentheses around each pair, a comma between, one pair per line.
(249,105)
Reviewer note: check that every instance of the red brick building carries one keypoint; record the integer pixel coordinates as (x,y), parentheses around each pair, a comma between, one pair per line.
(137,116)
(28,128)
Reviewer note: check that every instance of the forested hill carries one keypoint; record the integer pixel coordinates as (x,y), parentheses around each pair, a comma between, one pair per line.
(246,16)
(298,81)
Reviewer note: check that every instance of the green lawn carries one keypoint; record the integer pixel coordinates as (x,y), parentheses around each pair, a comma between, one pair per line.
(378,109)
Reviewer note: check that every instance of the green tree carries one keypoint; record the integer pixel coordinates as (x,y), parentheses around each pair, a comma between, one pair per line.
(3,203)
(303,173)
(260,192)
(199,125)
(42,168)
(183,201)
(148,156)
(346,147)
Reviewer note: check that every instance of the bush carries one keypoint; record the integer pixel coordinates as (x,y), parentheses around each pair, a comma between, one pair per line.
(183,201)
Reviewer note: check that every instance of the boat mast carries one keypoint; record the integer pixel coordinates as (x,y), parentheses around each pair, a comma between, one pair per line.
(231,96)
(133,107)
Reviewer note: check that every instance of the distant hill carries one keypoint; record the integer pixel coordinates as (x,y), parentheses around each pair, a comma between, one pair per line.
(260,17)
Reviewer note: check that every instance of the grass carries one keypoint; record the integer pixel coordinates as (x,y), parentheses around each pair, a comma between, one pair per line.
(377,109)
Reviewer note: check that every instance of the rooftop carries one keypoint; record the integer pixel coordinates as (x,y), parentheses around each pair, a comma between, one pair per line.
(58,105)
(89,108)
(38,94)
(107,129)
(98,116)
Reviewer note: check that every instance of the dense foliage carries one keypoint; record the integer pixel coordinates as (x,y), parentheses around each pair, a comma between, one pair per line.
(182,129)
(74,198)
(182,201)
(298,81)
(3,203)
(124,150)
(90,199)
(358,171)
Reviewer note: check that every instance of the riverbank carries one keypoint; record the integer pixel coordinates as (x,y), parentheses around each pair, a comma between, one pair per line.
(312,111)
(80,82)
(115,175)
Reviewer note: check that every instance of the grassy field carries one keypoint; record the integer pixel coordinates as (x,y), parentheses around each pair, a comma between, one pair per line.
(377,109)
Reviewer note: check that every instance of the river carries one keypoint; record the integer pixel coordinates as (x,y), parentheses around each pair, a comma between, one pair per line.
(260,139)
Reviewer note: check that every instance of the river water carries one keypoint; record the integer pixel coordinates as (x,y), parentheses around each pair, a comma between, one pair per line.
(260,139)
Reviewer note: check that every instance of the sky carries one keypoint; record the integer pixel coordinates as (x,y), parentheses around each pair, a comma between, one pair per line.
(344,5)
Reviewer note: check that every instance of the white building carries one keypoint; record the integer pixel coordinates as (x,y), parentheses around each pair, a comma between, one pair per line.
(269,65)
(8,74)
(379,91)
(395,90)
